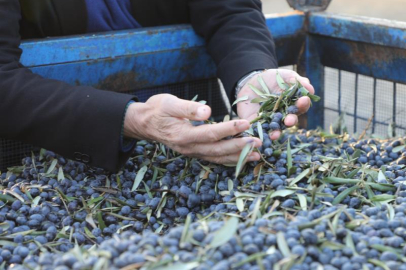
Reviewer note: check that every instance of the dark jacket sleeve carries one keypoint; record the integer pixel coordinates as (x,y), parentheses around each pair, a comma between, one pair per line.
(237,37)
(77,122)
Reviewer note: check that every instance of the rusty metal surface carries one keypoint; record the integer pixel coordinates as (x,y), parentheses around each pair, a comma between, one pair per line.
(357,28)
(142,58)
(362,58)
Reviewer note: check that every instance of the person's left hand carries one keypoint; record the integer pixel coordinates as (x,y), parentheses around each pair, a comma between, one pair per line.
(247,110)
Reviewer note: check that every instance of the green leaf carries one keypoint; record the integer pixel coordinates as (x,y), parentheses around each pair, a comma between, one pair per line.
(195,98)
(302,200)
(225,233)
(341,181)
(52,166)
(100,220)
(398,148)
(353,173)
(230,185)
(332,245)
(391,211)
(381,187)
(7,243)
(61,176)
(204,102)
(314,97)
(89,233)
(260,131)
(179,266)
(257,91)
(263,84)
(139,177)
(381,176)
(356,154)
(35,201)
(241,99)
(379,263)
(185,231)
(281,82)
(302,175)
(258,100)
(283,245)
(282,193)
(289,159)
(255,211)
(350,243)
(383,198)
(340,197)
(240,204)
(249,259)
(244,154)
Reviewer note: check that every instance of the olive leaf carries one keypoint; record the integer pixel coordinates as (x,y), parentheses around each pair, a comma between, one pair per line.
(139,177)
(243,98)
(225,233)
(244,154)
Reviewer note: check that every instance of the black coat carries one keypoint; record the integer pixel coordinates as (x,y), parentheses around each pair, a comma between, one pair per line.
(80,122)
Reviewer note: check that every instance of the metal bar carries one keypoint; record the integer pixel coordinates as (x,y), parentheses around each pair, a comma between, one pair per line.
(374,108)
(363,118)
(394,104)
(339,92)
(367,59)
(355,102)
(144,58)
(309,65)
(135,42)
(361,29)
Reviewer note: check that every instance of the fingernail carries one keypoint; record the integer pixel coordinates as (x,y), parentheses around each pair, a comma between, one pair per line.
(252,158)
(248,140)
(201,111)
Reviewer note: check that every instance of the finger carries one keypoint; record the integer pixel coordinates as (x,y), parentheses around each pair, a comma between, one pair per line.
(306,84)
(215,132)
(191,110)
(303,104)
(231,159)
(274,135)
(225,147)
(291,76)
(291,120)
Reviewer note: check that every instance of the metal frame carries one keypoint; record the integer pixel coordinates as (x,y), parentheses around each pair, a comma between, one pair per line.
(153,57)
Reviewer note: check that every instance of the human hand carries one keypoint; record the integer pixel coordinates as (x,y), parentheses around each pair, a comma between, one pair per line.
(165,118)
(247,110)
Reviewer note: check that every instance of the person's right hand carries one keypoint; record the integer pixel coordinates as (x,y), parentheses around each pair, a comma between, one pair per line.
(165,118)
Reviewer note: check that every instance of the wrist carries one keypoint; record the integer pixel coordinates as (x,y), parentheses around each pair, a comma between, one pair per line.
(244,80)
(134,121)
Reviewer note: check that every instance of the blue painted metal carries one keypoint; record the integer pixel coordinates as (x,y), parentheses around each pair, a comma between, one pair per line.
(141,58)
(361,29)
(285,25)
(109,45)
(310,66)
(367,59)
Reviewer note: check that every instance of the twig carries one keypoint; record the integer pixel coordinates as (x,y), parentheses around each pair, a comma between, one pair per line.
(366,128)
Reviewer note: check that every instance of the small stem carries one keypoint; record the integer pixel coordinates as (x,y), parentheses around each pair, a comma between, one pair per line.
(255,120)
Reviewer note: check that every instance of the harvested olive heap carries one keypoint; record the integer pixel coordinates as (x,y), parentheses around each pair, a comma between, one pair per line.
(313,200)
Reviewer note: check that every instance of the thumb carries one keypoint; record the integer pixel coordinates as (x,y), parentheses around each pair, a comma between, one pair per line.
(188,109)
